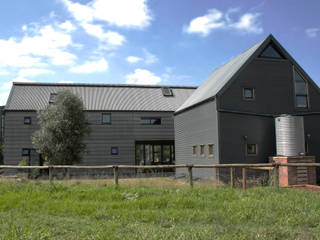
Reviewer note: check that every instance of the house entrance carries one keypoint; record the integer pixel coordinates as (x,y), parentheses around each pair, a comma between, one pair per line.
(155,153)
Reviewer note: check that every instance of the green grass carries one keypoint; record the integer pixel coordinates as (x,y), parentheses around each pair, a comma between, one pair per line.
(40,211)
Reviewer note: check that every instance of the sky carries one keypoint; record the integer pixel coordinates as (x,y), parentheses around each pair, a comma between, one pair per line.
(164,42)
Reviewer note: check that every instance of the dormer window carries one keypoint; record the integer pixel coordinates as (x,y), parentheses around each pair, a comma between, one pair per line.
(52,97)
(301,90)
(248,94)
(167,92)
(271,51)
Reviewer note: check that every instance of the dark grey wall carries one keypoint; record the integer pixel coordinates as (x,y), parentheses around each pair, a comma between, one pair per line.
(194,127)
(259,130)
(123,132)
(274,89)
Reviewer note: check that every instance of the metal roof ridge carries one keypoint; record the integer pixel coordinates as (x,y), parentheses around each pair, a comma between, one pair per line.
(99,85)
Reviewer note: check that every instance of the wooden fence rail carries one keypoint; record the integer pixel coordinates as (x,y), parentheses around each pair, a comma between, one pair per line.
(259,166)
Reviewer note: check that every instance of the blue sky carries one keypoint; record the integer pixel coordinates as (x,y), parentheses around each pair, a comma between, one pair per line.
(166,42)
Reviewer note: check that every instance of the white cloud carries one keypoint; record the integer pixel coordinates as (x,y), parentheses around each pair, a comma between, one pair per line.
(149,57)
(91,67)
(312,32)
(32,72)
(121,13)
(142,76)
(109,37)
(4,72)
(204,24)
(65,81)
(249,23)
(67,26)
(216,19)
(36,48)
(133,59)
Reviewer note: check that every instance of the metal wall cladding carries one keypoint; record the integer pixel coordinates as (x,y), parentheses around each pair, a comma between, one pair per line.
(290,139)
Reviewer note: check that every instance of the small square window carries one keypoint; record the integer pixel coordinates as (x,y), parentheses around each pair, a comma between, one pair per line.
(27,120)
(194,150)
(25,152)
(201,149)
(106,118)
(252,149)
(114,151)
(248,93)
(210,149)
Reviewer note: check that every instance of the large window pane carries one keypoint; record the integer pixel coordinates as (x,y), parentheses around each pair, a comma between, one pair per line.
(157,154)
(301,88)
(302,101)
(166,154)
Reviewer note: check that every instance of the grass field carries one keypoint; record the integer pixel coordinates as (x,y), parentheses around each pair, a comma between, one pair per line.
(40,211)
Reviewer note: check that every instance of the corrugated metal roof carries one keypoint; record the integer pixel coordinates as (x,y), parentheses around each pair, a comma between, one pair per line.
(100,97)
(219,78)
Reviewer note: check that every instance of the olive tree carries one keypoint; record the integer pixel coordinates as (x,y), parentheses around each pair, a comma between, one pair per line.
(63,126)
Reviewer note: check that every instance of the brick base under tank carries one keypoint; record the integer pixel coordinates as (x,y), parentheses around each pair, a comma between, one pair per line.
(296,175)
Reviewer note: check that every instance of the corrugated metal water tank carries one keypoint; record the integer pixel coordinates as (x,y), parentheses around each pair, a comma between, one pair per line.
(289,135)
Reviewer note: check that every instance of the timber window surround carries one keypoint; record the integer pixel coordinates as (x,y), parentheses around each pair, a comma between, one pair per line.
(106,118)
(202,149)
(251,149)
(27,120)
(301,90)
(248,93)
(150,121)
(114,151)
(194,150)
(210,150)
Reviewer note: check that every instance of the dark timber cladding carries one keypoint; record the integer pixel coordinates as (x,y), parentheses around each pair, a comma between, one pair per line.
(121,117)
(244,96)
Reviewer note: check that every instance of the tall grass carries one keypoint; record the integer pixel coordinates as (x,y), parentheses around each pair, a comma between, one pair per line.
(40,211)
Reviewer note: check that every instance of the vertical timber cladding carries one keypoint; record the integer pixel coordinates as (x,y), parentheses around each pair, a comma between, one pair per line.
(195,127)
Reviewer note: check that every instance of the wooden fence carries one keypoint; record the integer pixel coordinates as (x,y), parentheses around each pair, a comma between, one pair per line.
(263,166)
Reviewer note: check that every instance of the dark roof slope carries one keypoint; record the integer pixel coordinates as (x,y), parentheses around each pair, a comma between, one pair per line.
(100,97)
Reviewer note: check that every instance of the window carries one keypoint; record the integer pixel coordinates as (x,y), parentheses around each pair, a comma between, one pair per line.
(210,149)
(201,150)
(27,120)
(301,90)
(114,151)
(167,92)
(271,51)
(52,97)
(194,150)
(150,121)
(25,152)
(248,93)
(252,149)
(106,118)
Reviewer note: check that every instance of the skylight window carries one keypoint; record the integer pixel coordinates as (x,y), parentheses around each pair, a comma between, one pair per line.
(271,52)
(52,97)
(167,92)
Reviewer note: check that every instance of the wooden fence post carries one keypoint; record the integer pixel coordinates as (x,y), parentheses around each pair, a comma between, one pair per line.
(244,178)
(276,175)
(50,175)
(190,175)
(116,175)
(232,177)
(218,175)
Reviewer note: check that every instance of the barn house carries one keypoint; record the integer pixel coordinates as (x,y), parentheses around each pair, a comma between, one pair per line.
(129,124)
(230,118)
